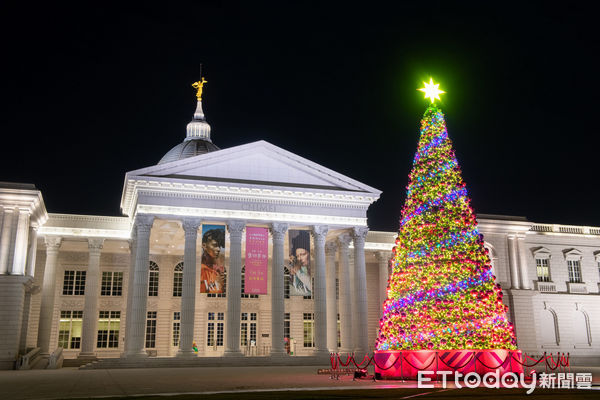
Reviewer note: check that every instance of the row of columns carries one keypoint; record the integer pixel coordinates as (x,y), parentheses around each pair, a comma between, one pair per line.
(519,278)
(90,310)
(352,290)
(17,237)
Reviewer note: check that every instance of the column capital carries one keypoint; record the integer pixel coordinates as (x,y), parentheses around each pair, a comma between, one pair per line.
(331,248)
(23,210)
(344,241)
(236,228)
(190,225)
(319,233)
(383,255)
(360,232)
(95,245)
(278,230)
(144,222)
(52,242)
(32,289)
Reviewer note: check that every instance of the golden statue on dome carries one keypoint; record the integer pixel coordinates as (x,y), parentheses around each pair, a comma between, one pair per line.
(198,86)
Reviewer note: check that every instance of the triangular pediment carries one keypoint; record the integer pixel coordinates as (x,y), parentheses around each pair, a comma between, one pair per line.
(258,163)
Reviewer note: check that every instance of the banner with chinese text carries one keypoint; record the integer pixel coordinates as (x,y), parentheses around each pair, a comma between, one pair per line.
(257,260)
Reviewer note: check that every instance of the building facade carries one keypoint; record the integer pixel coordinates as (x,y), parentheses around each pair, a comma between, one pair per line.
(130,287)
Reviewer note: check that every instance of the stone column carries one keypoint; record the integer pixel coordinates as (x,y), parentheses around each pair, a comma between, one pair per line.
(522,250)
(5,239)
(353,300)
(89,326)
(48,294)
(513,261)
(140,288)
(277,293)
(331,304)
(32,251)
(383,258)
(130,275)
(319,233)
(188,297)
(21,239)
(345,295)
(360,290)
(234,289)
(12,309)
(30,290)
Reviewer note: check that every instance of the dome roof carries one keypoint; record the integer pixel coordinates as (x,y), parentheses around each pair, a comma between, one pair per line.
(188,148)
(197,139)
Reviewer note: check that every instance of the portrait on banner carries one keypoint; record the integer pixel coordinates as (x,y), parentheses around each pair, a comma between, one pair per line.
(212,272)
(298,265)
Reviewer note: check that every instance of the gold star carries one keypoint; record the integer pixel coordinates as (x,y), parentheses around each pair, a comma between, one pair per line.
(432,90)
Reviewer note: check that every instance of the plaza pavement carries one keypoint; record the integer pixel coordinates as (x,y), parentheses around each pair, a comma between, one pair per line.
(74,383)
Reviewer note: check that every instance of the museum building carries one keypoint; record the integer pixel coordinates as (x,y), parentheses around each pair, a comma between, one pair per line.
(88,287)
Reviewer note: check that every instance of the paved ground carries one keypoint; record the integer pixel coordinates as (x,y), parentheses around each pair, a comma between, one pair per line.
(73,383)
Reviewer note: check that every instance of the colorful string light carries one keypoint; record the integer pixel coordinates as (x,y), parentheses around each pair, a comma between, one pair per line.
(441,294)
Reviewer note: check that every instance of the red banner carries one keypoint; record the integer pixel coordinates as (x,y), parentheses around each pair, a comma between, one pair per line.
(257,260)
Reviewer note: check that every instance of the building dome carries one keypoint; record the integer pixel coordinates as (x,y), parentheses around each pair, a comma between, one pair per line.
(189,148)
(197,139)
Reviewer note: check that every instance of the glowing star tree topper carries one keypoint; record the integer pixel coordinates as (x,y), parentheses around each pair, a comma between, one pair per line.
(431,90)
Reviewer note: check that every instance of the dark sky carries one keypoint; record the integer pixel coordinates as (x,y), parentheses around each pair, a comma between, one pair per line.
(89,93)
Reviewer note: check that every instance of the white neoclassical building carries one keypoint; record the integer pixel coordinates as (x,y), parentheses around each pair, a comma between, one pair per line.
(127,288)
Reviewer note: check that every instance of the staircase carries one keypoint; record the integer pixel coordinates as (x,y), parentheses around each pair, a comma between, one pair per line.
(176,362)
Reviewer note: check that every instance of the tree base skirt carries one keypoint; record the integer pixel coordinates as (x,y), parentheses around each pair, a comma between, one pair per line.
(405,364)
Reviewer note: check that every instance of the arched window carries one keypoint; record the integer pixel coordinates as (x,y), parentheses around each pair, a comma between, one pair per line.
(245,295)
(178,280)
(549,324)
(581,324)
(153,279)
(493,257)
(287,281)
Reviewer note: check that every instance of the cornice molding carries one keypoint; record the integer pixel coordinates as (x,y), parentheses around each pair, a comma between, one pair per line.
(268,217)
(25,198)
(304,198)
(74,225)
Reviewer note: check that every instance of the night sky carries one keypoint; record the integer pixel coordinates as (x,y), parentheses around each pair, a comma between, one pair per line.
(89,93)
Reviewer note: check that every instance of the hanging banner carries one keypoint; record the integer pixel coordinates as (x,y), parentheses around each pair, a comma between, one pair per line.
(298,266)
(212,273)
(257,260)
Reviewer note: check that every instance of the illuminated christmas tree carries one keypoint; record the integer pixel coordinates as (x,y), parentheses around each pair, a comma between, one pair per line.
(441,293)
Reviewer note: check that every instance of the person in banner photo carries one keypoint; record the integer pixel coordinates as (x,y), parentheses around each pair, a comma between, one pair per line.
(299,263)
(212,272)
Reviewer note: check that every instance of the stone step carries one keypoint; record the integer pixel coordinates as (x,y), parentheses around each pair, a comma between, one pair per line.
(174,362)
